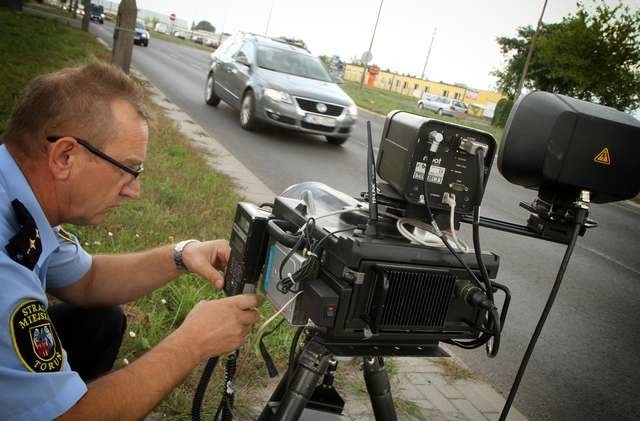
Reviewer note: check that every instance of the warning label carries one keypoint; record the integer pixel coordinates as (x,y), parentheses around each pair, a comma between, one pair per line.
(436,173)
(604,157)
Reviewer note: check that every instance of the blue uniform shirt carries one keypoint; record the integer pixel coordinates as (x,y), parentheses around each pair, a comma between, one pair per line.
(36,381)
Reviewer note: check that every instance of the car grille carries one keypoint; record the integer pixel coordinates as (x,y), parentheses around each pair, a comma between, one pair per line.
(309,105)
(317,127)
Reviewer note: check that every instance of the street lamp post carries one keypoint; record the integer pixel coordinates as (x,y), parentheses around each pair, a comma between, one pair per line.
(373,35)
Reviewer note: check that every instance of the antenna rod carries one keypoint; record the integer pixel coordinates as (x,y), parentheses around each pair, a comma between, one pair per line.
(371,178)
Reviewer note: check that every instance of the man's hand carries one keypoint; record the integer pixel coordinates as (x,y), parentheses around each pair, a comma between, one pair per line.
(207,258)
(217,327)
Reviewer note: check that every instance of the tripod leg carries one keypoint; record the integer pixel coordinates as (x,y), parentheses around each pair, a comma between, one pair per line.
(311,366)
(377,381)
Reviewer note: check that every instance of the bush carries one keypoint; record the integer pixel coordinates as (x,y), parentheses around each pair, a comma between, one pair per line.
(501,113)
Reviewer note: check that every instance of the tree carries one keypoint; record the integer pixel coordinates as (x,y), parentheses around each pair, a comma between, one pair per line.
(593,56)
(204,25)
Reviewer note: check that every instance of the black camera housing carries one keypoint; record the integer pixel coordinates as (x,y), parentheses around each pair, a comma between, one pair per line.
(553,142)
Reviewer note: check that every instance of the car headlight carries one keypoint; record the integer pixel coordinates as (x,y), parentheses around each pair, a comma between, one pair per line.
(278,96)
(102,15)
(145,34)
(353,110)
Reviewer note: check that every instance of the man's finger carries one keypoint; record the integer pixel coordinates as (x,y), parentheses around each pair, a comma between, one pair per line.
(246,301)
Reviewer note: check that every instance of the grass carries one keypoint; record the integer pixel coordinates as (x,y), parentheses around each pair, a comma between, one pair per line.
(453,369)
(382,102)
(48,46)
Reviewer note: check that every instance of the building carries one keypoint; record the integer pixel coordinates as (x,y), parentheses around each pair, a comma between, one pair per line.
(481,103)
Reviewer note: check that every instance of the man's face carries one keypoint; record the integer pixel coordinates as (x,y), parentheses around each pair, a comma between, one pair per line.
(101,186)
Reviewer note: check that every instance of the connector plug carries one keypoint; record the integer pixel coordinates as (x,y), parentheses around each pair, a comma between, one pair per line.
(435,138)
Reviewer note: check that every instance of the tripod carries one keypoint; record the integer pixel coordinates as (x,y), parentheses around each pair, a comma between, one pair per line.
(299,389)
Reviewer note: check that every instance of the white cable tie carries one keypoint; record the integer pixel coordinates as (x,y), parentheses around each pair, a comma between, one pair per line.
(310,253)
(262,328)
(290,277)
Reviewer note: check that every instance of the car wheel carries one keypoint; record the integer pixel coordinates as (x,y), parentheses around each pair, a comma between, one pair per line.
(210,96)
(440,111)
(336,140)
(248,111)
(146,44)
(420,105)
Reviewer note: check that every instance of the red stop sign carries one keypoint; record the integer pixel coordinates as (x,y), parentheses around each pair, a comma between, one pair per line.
(172,16)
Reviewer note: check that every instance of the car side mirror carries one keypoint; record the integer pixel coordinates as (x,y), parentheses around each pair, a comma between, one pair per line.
(242,59)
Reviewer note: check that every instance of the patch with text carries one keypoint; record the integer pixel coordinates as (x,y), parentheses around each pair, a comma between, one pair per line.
(34,338)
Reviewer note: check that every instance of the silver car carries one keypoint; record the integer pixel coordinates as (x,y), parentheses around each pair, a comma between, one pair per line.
(442,105)
(280,84)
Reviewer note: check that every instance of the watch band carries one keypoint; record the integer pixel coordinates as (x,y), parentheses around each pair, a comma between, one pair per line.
(177,255)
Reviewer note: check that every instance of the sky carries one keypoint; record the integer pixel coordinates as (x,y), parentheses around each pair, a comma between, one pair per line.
(464,47)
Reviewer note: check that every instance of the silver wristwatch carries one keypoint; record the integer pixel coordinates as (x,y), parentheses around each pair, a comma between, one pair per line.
(177,255)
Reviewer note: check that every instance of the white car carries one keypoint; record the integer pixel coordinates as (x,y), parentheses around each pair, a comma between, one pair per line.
(442,105)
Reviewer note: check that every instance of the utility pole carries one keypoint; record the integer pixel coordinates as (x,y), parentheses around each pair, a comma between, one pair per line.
(123,34)
(533,41)
(86,4)
(373,35)
(426,61)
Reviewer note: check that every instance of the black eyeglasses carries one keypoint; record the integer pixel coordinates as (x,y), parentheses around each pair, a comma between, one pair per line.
(134,172)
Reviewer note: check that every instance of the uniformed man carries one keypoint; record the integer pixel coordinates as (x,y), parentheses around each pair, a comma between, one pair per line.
(73,150)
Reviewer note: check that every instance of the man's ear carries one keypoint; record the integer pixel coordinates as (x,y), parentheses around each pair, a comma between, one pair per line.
(63,156)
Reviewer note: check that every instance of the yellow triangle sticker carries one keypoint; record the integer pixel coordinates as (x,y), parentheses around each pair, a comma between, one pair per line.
(603,157)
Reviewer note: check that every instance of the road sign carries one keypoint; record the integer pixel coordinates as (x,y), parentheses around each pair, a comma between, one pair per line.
(366,57)
(172,17)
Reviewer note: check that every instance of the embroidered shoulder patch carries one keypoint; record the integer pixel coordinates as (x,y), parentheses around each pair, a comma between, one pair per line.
(34,338)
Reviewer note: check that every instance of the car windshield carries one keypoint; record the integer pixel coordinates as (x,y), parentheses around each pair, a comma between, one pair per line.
(97,9)
(140,25)
(284,61)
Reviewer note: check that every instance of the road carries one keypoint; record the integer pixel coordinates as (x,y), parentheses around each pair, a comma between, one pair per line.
(587,362)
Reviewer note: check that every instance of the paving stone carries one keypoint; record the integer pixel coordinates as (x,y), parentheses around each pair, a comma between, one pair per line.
(468,410)
(408,390)
(446,388)
(477,397)
(418,378)
(436,398)
(416,365)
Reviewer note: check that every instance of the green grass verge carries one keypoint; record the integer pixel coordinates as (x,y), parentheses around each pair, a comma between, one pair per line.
(30,46)
(382,102)
(180,41)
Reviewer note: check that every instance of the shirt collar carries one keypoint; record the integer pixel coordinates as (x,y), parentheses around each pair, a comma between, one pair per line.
(17,187)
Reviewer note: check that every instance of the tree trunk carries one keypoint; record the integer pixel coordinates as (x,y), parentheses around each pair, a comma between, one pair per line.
(87,15)
(123,34)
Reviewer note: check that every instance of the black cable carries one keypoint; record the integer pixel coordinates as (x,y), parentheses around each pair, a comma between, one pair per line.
(505,304)
(292,355)
(476,225)
(198,396)
(331,234)
(580,217)
(225,408)
(432,220)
